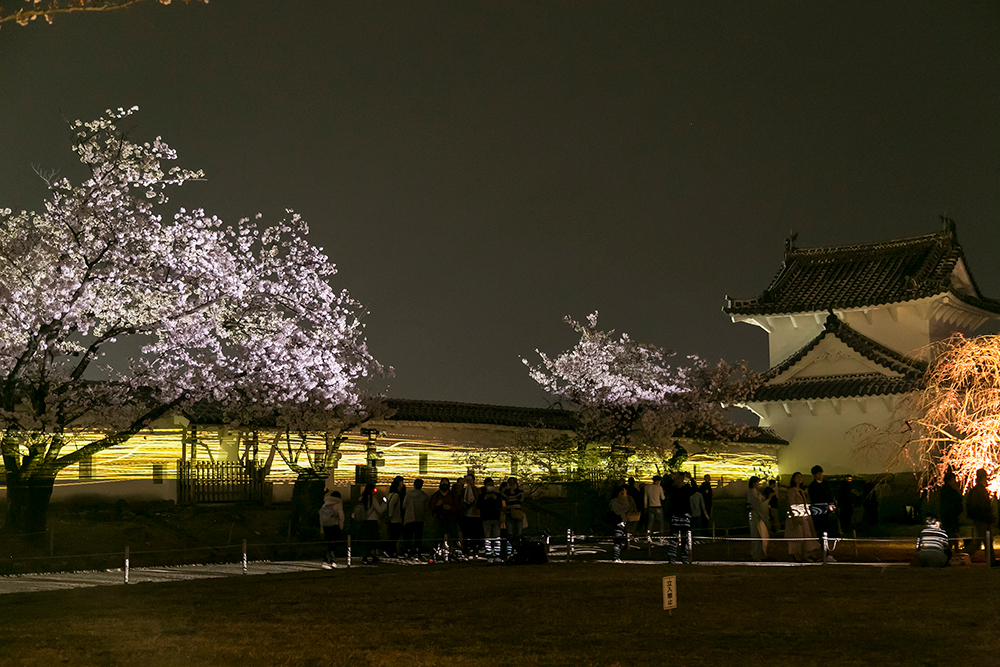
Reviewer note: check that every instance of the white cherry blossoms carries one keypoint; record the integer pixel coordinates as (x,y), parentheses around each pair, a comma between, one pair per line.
(241,315)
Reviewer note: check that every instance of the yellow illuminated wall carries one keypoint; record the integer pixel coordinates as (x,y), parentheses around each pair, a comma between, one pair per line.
(449,450)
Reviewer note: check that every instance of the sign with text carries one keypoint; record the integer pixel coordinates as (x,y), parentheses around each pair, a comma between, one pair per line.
(670,592)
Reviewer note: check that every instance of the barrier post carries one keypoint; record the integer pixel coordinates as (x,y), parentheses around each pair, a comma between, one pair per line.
(348,551)
(569,543)
(126,565)
(690,546)
(826,547)
(244,555)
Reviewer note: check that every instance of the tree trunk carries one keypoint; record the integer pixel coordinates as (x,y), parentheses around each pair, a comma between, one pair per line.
(307,498)
(28,505)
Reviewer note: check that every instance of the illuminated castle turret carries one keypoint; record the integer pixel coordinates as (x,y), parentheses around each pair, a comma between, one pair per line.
(848,330)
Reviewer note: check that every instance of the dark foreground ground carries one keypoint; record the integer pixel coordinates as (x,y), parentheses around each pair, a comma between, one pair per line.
(556,614)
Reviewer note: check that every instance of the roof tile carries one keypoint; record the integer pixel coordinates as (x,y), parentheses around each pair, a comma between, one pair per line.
(868,274)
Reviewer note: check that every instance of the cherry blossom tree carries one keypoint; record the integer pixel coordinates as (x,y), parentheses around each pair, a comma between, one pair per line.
(32,10)
(242,316)
(630,397)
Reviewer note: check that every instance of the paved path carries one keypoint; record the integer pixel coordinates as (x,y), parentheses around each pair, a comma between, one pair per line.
(29,583)
(51,581)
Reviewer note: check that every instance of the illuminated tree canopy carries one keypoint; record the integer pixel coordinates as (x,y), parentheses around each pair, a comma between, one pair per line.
(630,397)
(192,310)
(33,10)
(957,415)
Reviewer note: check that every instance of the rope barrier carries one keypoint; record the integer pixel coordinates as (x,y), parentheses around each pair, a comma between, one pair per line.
(575,545)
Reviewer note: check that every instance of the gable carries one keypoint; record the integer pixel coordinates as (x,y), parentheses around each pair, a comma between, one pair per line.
(961,280)
(839,363)
(832,357)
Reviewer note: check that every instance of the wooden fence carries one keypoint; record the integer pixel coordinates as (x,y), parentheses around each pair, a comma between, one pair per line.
(224,482)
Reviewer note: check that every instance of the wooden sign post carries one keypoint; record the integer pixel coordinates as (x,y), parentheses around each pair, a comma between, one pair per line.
(670,593)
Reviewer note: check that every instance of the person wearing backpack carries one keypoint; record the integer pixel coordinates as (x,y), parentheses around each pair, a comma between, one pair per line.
(414,509)
(331,522)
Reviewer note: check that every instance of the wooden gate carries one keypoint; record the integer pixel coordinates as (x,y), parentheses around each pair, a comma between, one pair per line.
(224,482)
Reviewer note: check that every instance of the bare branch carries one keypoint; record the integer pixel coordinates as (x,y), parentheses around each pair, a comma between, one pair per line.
(52,8)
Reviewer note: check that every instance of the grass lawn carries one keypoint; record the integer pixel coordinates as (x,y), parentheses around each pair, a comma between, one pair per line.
(559,614)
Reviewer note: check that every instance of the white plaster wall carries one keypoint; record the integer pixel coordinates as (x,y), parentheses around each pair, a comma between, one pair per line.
(909,335)
(785,338)
(135,489)
(826,438)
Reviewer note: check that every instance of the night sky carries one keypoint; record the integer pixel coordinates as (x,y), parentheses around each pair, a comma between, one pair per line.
(478,170)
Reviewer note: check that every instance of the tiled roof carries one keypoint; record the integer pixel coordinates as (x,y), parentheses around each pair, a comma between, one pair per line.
(910,371)
(869,274)
(839,386)
(446,412)
(475,413)
(409,410)
(760,435)
(209,413)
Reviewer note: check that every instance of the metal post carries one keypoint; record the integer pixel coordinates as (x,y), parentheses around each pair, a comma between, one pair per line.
(569,543)
(126,565)
(826,547)
(690,545)
(348,551)
(244,556)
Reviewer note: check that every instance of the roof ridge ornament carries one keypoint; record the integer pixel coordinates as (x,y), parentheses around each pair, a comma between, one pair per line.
(790,241)
(948,227)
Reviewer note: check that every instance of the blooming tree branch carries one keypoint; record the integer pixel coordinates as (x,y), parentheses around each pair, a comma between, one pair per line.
(242,316)
(47,9)
(629,396)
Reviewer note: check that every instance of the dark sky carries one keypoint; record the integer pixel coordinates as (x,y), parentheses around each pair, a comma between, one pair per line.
(478,170)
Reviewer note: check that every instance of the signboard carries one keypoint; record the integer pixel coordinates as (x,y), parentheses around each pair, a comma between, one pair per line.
(670,592)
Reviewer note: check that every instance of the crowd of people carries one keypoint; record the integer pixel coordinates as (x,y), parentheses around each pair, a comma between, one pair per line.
(688,507)
(470,522)
(978,509)
(487,522)
(677,508)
